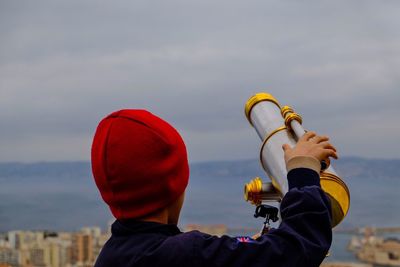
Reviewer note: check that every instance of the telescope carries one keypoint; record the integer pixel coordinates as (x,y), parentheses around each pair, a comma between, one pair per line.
(276,125)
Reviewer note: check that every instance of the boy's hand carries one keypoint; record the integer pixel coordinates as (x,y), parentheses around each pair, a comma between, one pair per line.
(311,145)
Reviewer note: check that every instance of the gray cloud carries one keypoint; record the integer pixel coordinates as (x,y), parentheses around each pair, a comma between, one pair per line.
(66,64)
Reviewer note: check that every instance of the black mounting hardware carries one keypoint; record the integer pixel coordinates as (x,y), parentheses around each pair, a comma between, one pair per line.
(269,213)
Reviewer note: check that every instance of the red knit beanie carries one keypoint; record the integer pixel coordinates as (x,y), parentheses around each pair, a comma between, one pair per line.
(139,163)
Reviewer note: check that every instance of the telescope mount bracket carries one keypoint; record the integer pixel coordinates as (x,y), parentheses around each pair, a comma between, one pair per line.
(270,213)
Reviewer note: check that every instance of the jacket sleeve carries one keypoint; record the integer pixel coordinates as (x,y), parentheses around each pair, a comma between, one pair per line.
(302,239)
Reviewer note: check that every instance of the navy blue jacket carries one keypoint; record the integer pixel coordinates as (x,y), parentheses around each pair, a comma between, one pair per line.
(302,239)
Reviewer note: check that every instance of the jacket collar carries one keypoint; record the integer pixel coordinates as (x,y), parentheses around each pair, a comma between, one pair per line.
(131,227)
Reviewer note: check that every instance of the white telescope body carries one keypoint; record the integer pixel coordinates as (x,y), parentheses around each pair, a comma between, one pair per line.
(266,118)
(275,129)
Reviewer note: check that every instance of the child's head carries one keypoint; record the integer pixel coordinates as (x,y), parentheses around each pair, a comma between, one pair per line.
(139,163)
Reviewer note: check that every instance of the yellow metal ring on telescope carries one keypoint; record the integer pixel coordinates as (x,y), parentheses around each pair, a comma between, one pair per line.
(257,98)
(285,110)
(290,117)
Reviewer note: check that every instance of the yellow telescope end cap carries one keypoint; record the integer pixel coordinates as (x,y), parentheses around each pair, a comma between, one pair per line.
(257,98)
(339,195)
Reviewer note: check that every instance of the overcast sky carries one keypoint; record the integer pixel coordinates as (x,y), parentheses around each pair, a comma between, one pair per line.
(66,64)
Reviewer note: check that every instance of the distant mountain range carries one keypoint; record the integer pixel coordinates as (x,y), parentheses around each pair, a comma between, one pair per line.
(352,166)
(62,195)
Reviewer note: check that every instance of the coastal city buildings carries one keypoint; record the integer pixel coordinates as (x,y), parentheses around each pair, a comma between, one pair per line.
(81,248)
(376,250)
(50,249)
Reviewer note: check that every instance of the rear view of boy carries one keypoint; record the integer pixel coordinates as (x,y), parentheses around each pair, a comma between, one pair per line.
(140,166)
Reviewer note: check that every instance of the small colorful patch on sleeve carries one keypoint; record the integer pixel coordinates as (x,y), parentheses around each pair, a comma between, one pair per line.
(245,239)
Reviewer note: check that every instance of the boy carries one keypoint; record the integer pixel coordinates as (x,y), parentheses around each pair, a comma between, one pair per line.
(140,166)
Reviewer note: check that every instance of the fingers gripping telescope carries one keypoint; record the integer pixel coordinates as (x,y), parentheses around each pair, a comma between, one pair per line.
(276,125)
